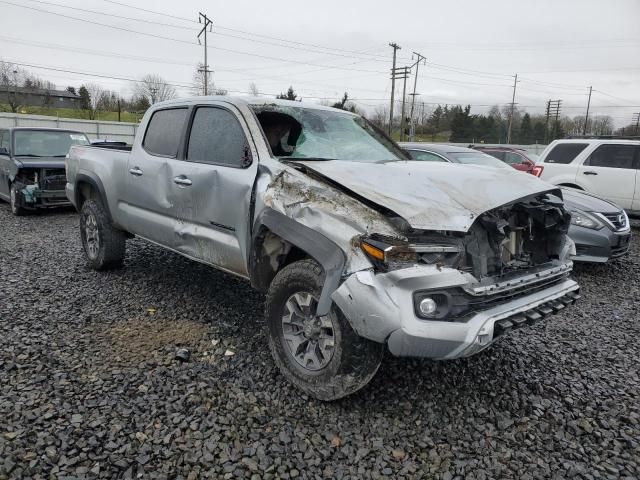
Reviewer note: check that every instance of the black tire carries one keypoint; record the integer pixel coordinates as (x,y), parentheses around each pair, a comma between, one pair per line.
(353,360)
(14,200)
(104,245)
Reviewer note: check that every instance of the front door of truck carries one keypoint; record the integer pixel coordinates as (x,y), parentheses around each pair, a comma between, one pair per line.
(146,205)
(211,188)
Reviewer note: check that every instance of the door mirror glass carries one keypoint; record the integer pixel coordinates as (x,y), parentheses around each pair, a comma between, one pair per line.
(4,151)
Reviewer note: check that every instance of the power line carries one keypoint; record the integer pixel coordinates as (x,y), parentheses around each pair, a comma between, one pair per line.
(185,41)
(183,27)
(288,41)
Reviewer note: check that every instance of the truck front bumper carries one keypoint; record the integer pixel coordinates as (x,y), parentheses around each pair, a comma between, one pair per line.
(31,196)
(381,307)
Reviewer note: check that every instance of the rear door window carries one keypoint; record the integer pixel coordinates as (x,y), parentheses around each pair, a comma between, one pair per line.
(163,133)
(494,153)
(217,138)
(565,152)
(612,156)
(513,158)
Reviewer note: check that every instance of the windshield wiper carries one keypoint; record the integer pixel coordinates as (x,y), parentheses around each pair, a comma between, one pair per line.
(309,159)
(28,155)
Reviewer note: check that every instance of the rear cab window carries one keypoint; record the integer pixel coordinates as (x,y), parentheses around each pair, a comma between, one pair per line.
(613,156)
(565,152)
(162,137)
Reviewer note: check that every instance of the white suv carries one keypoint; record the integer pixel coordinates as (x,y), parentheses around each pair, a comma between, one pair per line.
(607,168)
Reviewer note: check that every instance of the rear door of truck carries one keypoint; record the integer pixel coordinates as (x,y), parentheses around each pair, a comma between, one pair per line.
(147,208)
(211,184)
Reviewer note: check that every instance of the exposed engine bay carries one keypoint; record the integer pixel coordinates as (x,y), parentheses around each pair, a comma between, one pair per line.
(519,236)
(516,237)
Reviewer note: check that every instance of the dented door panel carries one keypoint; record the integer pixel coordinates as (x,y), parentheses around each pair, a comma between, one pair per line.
(210,215)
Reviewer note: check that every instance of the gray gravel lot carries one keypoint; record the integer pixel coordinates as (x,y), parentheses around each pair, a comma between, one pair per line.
(89,386)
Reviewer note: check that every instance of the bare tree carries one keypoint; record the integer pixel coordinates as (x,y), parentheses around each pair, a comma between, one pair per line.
(97,96)
(253,89)
(154,88)
(11,79)
(380,116)
(602,125)
(198,82)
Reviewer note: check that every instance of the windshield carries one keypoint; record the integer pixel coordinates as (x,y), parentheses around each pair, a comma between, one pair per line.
(313,134)
(478,158)
(533,157)
(44,143)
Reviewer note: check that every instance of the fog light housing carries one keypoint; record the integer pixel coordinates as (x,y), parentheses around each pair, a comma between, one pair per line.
(432,305)
(428,306)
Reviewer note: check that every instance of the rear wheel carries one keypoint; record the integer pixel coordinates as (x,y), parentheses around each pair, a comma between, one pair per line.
(322,356)
(104,245)
(15,199)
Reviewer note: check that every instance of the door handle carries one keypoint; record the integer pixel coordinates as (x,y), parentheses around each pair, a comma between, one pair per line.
(182,180)
(589,172)
(135,171)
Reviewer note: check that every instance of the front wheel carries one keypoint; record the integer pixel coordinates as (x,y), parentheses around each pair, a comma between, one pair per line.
(322,356)
(104,245)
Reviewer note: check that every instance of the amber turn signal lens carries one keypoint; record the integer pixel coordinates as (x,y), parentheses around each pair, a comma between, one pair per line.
(372,251)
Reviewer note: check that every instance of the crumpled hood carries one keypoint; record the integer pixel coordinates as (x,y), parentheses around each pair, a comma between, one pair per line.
(430,195)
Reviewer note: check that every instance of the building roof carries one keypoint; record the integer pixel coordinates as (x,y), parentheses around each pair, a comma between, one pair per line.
(42,92)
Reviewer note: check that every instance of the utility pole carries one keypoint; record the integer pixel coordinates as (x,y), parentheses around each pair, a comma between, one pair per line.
(586,117)
(413,95)
(153,91)
(402,73)
(546,123)
(553,108)
(208,26)
(636,118)
(407,72)
(395,47)
(513,100)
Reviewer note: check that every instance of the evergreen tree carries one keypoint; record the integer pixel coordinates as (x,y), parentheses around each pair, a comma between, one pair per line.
(290,95)
(525,130)
(461,124)
(85,98)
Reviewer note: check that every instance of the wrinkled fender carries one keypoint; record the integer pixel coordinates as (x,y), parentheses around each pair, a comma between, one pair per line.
(14,168)
(320,248)
(93,180)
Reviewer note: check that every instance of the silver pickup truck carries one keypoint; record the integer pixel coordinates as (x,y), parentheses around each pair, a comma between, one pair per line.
(357,247)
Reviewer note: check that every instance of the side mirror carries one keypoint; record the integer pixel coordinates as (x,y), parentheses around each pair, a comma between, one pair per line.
(4,151)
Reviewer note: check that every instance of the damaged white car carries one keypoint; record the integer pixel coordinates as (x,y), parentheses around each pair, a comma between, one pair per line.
(358,248)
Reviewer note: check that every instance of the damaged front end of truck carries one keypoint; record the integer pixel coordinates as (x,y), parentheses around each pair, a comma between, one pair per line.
(38,186)
(428,273)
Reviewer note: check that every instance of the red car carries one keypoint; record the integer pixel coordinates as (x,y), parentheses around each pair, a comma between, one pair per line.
(518,158)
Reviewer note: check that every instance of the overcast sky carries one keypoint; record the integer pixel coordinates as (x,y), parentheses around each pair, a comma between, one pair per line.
(558,48)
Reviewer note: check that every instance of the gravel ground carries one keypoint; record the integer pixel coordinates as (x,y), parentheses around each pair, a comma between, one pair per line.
(89,386)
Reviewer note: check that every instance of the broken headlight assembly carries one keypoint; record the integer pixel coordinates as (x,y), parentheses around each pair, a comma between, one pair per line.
(388,253)
(584,219)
